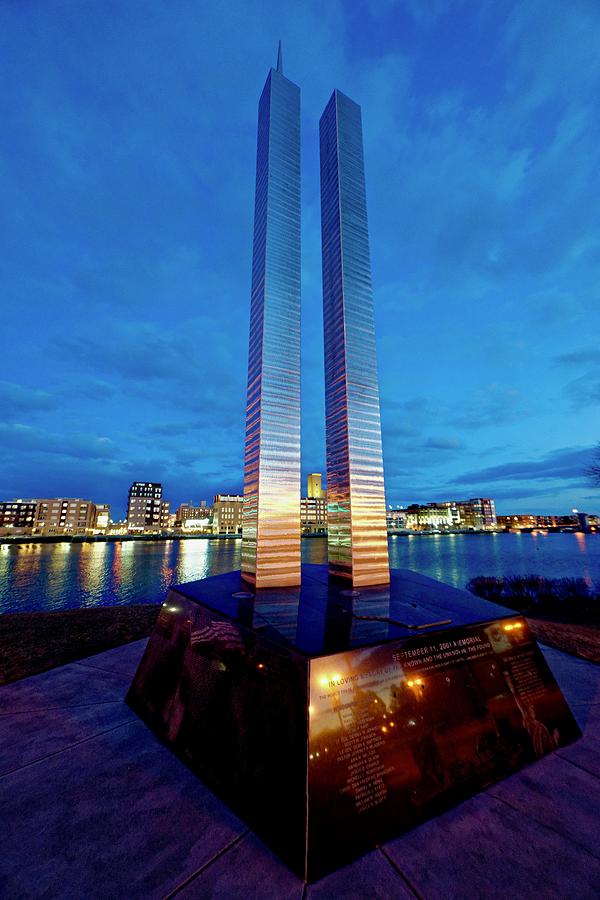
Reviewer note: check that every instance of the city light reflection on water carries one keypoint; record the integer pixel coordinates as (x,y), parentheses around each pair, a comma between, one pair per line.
(67,576)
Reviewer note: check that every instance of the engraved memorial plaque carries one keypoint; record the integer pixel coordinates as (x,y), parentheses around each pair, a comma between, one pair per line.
(401,730)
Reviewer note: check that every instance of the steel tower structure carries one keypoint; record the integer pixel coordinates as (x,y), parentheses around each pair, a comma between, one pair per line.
(271,521)
(357,541)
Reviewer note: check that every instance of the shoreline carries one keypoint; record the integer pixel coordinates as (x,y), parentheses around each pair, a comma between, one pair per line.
(111,538)
(17,540)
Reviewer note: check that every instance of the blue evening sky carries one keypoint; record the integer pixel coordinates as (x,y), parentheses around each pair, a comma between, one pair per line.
(127,177)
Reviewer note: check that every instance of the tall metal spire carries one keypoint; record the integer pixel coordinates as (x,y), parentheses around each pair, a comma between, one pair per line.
(279,59)
(357,536)
(271,529)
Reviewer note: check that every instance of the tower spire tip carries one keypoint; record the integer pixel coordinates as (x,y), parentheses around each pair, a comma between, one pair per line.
(279,59)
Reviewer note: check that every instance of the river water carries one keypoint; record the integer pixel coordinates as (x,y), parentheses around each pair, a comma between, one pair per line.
(69,576)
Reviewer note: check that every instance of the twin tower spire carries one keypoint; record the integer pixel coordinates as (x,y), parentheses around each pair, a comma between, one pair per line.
(357,537)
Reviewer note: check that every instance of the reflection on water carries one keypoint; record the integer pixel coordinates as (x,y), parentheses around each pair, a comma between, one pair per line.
(65,576)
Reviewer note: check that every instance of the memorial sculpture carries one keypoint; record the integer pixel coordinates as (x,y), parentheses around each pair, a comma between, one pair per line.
(271,520)
(333,706)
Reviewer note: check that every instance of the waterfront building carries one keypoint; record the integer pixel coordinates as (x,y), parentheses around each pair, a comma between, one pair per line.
(228,513)
(542,521)
(53,516)
(146,509)
(119,527)
(271,527)
(101,518)
(567,521)
(17,516)
(357,534)
(431,517)
(478,513)
(488,512)
(396,518)
(313,514)
(583,521)
(575,521)
(314,487)
(194,517)
(517,522)
(450,515)
(453,508)
(60,515)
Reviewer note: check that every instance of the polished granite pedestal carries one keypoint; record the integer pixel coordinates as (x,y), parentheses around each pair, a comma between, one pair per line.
(331,720)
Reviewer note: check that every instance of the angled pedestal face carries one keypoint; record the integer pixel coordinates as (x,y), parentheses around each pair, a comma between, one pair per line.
(331,721)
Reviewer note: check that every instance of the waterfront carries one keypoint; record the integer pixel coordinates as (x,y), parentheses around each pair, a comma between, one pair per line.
(72,576)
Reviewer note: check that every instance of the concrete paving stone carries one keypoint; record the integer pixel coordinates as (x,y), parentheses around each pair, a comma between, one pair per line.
(373,878)
(29,736)
(584,753)
(71,685)
(578,680)
(486,850)
(115,816)
(591,727)
(248,869)
(588,719)
(122,660)
(580,683)
(558,795)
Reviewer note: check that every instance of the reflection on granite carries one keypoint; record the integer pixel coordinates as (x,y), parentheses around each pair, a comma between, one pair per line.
(232,702)
(325,616)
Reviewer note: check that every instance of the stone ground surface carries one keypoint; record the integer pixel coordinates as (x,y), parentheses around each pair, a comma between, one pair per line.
(92,805)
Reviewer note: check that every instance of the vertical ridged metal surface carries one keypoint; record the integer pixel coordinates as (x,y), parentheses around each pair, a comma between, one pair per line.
(357,540)
(271,524)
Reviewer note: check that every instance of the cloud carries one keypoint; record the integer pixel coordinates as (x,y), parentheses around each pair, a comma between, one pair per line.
(566,464)
(23,438)
(139,351)
(493,405)
(425,14)
(17,401)
(443,443)
(524,492)
(413,412)
(580,357)
(196,366)
(552,307)
(583,391)
(175,429)
(399,429)
(85,388)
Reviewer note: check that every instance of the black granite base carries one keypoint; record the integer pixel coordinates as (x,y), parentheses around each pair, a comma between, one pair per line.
(331,720)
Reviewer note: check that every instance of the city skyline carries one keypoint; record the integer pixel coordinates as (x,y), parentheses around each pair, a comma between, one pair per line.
(126,222)
(118,511)
(149,513)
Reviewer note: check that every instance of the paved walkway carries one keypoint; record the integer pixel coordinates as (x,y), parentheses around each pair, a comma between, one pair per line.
(91,805)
